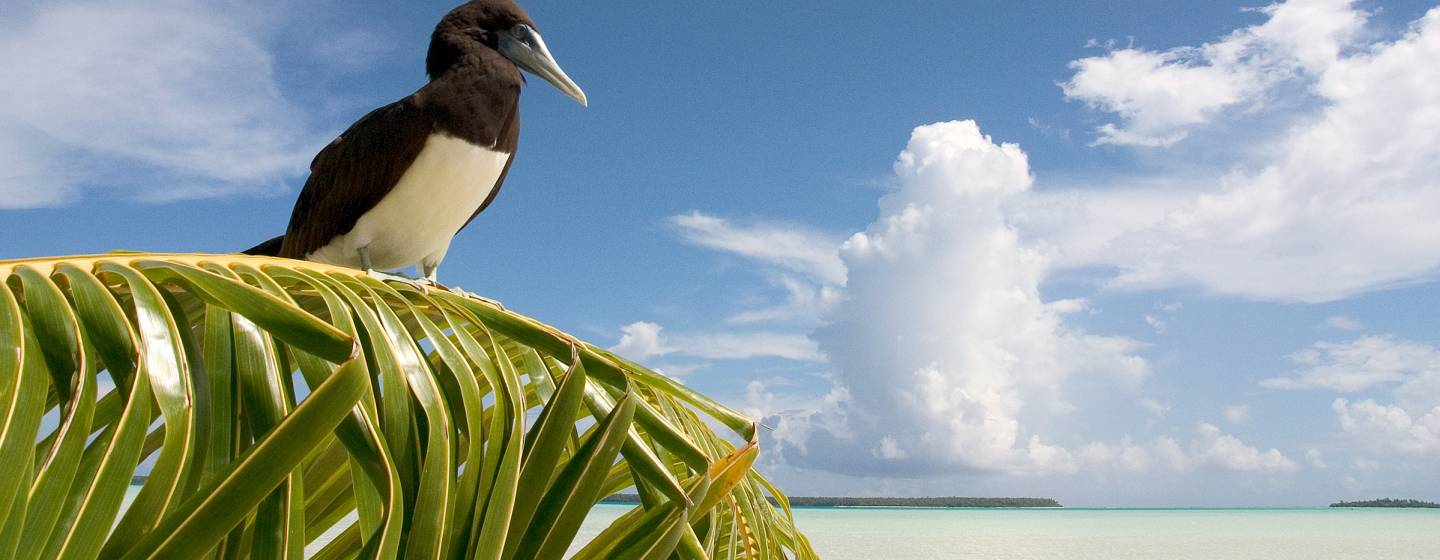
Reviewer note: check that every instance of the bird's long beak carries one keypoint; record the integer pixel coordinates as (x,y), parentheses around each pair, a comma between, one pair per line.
(523,46)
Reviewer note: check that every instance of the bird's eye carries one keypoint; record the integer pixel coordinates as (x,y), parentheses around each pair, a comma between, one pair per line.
(525,34)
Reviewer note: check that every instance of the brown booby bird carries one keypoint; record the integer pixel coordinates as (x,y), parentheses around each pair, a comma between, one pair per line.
(395,188)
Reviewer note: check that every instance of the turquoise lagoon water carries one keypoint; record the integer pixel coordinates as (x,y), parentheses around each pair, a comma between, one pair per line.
(1123,534)
(1109,534)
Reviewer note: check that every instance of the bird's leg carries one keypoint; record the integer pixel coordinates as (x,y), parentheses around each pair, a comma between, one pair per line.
(365,259)
(383,276)
(427,272)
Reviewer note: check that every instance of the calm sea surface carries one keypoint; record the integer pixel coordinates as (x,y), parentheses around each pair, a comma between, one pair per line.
(1109,534)
(1270,534)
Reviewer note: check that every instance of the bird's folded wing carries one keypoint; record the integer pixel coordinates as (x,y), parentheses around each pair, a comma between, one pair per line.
(353,173)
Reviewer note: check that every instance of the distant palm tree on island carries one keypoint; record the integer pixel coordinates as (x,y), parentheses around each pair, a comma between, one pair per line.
(1381,503)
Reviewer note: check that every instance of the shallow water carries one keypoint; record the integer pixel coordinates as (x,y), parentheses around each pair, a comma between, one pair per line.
(1111,534)
(1066,534)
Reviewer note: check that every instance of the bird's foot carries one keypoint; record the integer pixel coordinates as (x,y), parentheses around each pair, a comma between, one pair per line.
(472,295)
(418,284)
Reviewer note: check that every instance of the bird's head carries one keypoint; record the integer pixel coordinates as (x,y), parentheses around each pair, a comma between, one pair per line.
(501,26)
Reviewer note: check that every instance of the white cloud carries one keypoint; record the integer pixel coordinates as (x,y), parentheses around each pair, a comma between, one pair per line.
(792,421)
(1359,364)
(803,262)
(1341,322)
(677,369)
(944,345)
(1153,406)
(805,302)
(1410,425)
(1173,456)
(1159,320)
(1389,428)
(1365,464)
(742,345)
(29,177)
(643,340)
(1237,414)
(889,449)
(352,49)
(942,331)
(941,336)
(789,247)
(1133,458)
(1226,451)
(161,99)
(1125,456)
(640,341)
(1209,449)
(1339,202)
(1159,94)
(1315,458)
(1048,130)
(1096,453)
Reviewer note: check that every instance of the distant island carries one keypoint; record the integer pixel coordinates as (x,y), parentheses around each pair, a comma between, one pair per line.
(946,502)
(1387,503)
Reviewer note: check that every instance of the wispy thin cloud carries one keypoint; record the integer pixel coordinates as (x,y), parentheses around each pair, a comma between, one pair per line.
(1357,365)
(1408,425)
(157,100)
(1238,414)
(644,340)
(1341,322)
(789,247)
(1153,406)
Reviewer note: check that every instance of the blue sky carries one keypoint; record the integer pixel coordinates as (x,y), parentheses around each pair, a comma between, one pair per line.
(1118,253)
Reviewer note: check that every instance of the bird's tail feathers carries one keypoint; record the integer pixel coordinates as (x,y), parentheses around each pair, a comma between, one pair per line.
(269,248)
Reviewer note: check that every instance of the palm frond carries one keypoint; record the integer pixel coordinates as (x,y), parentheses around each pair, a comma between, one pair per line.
(271,400)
